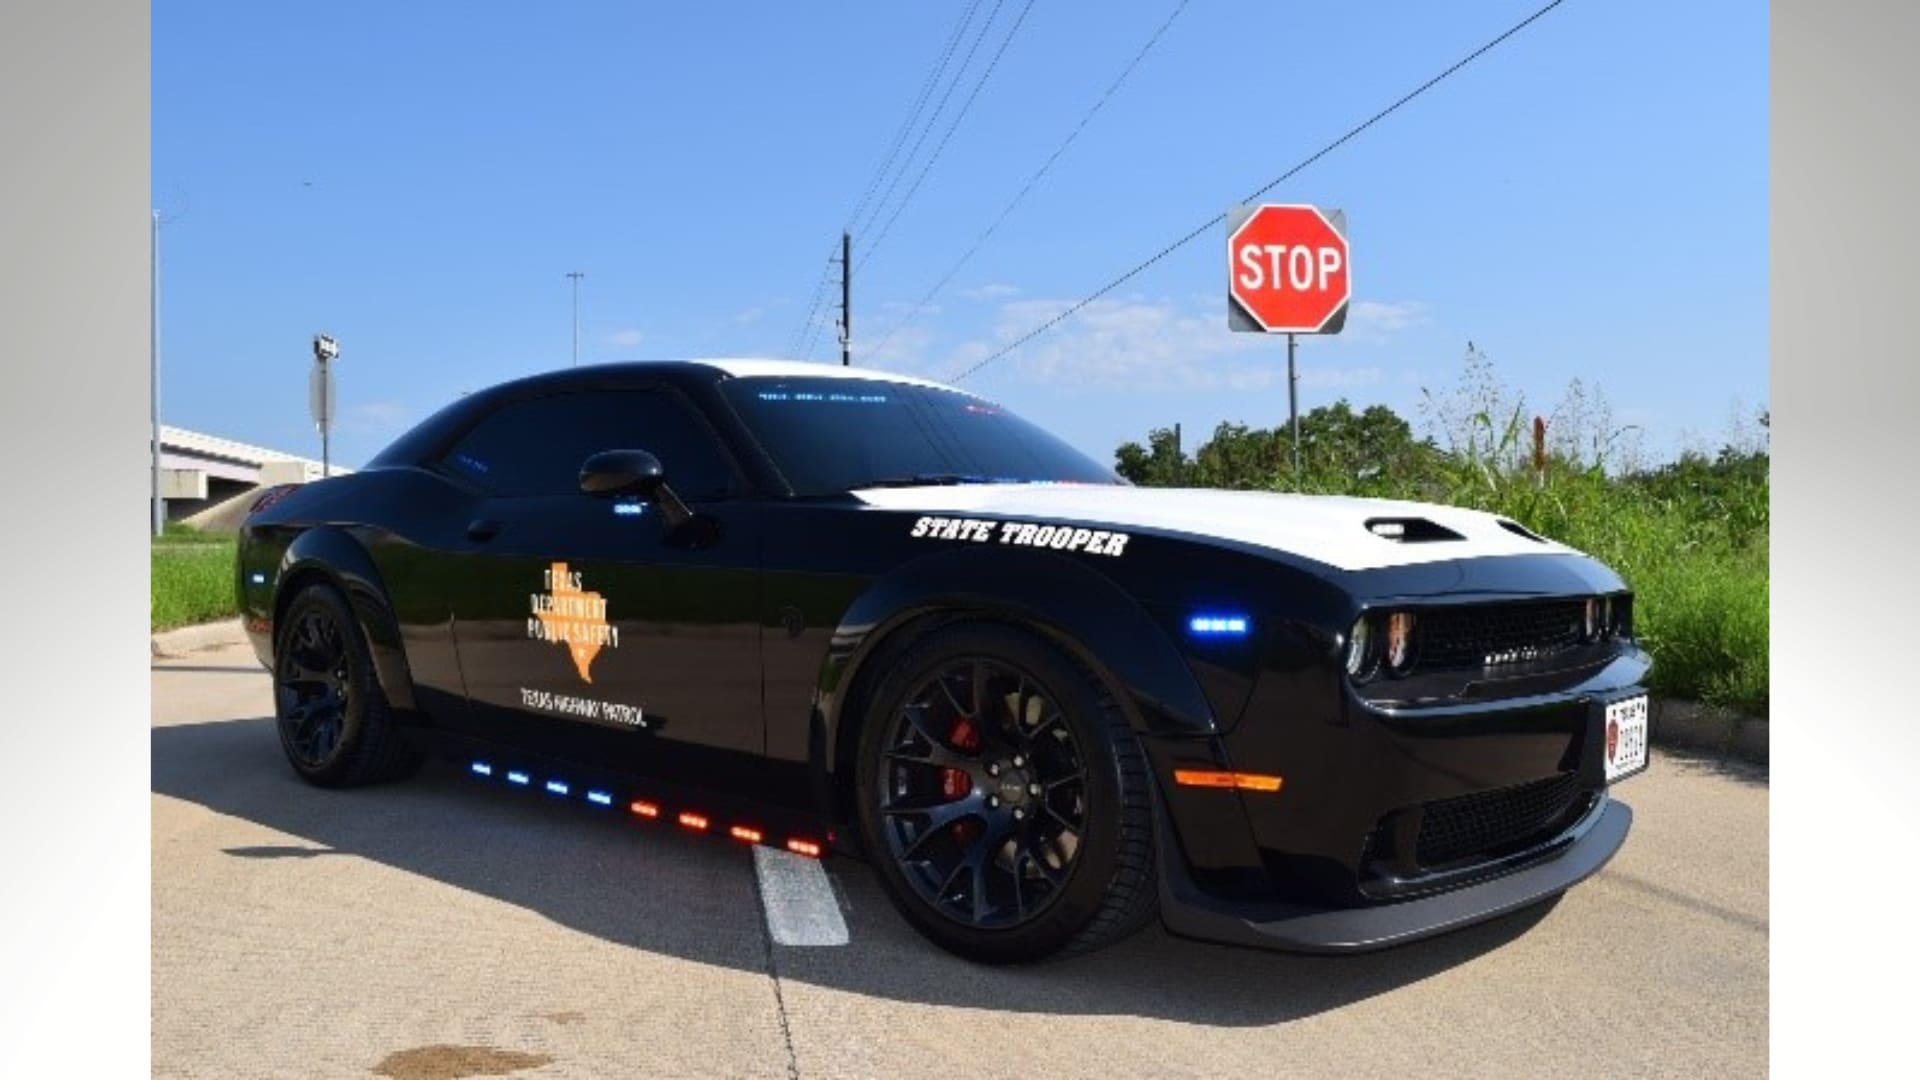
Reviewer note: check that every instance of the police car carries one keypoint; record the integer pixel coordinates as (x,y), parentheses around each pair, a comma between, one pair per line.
(828,609)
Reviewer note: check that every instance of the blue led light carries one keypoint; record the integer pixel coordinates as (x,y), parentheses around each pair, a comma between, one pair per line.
(516,777)
(257,578)
(482,768)
(600,797)
(557,787)
(1234,625)
(628,509)
(836,397)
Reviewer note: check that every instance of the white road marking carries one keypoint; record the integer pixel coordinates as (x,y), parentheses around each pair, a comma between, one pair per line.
(799,901)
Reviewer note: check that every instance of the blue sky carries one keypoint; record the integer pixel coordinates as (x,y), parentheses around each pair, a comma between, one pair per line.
(1587,201)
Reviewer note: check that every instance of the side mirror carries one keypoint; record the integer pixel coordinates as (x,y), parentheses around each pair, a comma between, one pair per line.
(634,472)
(622,472)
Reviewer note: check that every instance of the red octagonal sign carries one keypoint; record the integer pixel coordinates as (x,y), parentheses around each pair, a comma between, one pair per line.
(1287,271)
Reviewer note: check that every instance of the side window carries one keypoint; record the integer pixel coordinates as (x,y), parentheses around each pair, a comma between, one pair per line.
(535,447)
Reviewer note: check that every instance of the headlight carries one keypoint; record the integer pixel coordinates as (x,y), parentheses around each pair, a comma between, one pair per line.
(1360,648)
(1399,640)
(1606,617)
(1591,628)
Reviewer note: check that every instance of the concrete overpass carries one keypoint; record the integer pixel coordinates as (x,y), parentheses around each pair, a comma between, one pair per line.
(199,471)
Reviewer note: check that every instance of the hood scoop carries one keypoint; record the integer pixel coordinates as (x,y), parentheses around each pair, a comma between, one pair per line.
(1410,530)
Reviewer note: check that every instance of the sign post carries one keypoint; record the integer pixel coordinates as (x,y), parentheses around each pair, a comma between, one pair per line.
(1288,272)
(320,396)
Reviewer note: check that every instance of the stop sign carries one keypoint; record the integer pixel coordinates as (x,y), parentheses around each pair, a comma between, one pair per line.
(1287,270)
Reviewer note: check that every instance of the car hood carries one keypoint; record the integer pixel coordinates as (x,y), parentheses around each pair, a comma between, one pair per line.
(1327,529)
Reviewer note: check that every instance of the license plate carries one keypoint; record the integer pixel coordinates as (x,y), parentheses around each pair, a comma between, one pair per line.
(1626,737)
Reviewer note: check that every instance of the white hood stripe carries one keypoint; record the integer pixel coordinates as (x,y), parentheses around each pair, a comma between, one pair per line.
(1326,529)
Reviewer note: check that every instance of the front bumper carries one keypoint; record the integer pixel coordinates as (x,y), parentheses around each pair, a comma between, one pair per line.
(1558,865)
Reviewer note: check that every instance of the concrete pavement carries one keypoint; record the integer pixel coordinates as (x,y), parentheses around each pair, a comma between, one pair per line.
(450,927)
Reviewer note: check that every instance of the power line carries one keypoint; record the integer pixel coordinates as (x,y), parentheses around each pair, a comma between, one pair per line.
(1033,180)
(939,109)
(920,102)
(951,127)
(804,334)
(1263,189)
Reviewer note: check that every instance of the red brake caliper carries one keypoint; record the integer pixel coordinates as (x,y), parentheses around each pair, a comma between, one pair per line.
(955,783)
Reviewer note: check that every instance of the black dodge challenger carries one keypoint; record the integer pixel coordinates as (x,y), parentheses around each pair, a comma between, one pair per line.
(826,609)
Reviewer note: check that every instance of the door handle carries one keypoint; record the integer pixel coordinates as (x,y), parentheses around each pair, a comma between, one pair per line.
(482,529)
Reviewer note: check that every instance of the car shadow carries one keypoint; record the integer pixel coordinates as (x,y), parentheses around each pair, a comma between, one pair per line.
(651,887)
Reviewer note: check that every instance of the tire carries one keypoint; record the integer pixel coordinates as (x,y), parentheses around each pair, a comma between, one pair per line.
(334,722)
(1026,836)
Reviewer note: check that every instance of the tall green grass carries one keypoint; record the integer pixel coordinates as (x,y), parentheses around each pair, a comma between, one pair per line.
(192,581)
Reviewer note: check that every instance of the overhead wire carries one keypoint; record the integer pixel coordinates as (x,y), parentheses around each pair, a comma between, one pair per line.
(1203,227)
(804,336)
(952,126)
(1032,181)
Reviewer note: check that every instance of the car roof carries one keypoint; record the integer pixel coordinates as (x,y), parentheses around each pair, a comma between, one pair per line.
(431,435)
(749,367)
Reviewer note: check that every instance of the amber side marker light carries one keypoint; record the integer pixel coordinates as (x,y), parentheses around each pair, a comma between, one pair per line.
(693,821)
(645,809)
(741,832)
(804,847)
(1216,778)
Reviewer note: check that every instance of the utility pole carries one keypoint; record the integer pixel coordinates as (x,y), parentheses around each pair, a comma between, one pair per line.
(846,299)
(1293,405)
(159,504)
(576,276)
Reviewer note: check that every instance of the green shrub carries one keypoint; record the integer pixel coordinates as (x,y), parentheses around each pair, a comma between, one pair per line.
(1689,537)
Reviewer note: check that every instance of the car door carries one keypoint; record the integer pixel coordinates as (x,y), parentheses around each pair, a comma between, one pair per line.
(589,629)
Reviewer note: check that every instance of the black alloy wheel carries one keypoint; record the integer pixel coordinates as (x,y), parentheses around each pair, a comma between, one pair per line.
(313,688)
(333,719)
(984,793)
(1002,795)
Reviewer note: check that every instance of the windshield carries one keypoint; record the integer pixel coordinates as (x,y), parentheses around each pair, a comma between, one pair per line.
(831,435)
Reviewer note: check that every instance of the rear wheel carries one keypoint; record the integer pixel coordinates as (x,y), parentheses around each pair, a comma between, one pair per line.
(334,722)
(1004,799)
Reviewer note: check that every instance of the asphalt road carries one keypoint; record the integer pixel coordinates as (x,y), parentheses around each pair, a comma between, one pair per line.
(448,927)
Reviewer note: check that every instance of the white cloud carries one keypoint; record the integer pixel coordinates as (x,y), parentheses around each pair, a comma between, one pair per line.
(1150,346)
(375,418)
(1374,322)
(905,351)
(1321,378)
(750,316)
(627,338)
(993,290)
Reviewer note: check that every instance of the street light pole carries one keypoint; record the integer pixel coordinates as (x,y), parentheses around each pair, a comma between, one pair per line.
(159,505)
(325,349)
(576,276)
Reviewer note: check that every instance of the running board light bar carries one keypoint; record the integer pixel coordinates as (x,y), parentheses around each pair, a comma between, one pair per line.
(643,808)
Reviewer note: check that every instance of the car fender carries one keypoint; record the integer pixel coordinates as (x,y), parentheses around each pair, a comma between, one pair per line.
(337,556)
(1075,605)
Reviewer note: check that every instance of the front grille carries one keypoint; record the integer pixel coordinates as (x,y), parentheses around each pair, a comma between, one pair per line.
(1487,822)
(1450,639)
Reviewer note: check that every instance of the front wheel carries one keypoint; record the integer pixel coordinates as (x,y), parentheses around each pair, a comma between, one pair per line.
(1004,799)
